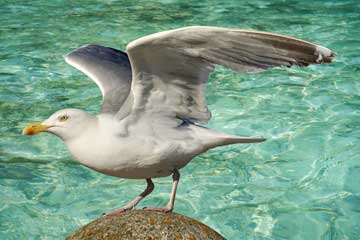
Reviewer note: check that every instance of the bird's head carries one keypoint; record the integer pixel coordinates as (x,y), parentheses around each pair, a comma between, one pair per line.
(66,124)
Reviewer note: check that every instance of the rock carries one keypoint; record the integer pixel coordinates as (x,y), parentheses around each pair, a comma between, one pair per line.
(140,224)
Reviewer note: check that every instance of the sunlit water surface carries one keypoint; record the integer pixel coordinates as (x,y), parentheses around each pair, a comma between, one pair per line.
(302,183)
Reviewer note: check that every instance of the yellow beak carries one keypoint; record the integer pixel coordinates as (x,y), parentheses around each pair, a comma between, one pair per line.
(34,128)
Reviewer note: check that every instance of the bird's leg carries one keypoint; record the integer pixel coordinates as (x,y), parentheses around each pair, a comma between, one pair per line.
(170,206)
(133,203)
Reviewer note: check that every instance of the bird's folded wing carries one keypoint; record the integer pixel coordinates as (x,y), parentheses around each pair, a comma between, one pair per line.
(170,69)
(109,68)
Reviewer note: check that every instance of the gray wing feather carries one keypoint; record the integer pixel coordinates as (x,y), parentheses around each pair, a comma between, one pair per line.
(109,68)
(170,68)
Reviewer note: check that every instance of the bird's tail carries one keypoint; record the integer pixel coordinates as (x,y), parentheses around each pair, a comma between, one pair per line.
(231,139)
(238,139)
(214,138)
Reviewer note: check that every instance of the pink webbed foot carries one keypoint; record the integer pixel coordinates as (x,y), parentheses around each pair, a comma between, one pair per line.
(159,209)
(117,211)
(131,205)
(170,205)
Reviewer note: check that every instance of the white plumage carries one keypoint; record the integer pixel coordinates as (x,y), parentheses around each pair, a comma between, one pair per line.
(154,99)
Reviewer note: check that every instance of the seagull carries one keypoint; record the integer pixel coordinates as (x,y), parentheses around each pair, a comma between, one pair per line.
(151,120)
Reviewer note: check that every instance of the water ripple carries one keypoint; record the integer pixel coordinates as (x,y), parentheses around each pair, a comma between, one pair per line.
(303,183)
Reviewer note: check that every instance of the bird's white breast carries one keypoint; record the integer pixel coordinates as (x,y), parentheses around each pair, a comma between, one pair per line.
(140,154)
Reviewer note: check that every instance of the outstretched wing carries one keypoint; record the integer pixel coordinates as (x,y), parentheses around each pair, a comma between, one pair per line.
(109,68)
(170,69)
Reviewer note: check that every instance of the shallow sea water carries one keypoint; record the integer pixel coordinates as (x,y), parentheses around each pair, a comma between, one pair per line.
(302,183)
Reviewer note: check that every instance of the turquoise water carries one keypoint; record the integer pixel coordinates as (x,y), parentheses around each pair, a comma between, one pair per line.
(303,183)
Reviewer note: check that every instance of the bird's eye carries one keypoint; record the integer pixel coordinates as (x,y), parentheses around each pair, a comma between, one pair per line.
(63,118)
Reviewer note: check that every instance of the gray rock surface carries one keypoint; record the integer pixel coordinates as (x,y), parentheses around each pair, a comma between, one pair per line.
(140,224)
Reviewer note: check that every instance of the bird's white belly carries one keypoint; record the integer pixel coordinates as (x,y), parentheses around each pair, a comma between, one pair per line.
(134,158)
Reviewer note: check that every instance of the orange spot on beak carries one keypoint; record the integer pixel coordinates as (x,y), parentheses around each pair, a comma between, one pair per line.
(34,128)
